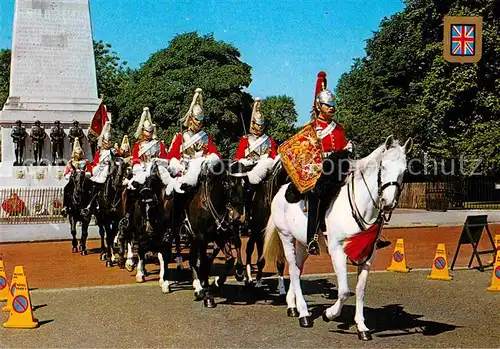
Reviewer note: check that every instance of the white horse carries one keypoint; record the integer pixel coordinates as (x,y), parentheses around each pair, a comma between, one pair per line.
(371,191)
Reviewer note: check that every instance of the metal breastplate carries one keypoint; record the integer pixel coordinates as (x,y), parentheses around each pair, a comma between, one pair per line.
(197,149)
(262,149)
(149,151)
(80,164)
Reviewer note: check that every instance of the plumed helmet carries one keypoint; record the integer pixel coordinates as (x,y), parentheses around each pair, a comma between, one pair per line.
(322,95)
(257,116)
(146,123)
(125,144)
(195,109)
(105,136)
(77,149)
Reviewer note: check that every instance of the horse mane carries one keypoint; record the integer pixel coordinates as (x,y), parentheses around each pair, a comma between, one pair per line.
(370,162)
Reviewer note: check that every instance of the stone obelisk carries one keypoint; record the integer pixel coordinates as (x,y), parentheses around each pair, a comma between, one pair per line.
(53,74)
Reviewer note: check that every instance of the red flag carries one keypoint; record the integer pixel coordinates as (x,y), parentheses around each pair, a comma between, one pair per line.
(100,118)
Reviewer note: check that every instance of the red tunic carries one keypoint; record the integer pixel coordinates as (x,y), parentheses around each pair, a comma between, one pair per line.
(335,141)
(136,159)
(175,148)
(87,167)
(242,147)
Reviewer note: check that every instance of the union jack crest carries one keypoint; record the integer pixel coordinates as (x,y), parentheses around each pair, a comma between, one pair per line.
(462,39)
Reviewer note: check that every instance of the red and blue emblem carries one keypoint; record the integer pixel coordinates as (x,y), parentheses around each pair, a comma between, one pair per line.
(463,40)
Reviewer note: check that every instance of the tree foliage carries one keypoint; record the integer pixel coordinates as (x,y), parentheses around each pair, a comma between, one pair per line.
(280,117)
(167,81)
(403,86)
(111,73)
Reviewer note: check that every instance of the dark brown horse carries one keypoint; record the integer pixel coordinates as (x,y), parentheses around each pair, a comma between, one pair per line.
(107,208)
(79,207)
(202,214)
(257,200)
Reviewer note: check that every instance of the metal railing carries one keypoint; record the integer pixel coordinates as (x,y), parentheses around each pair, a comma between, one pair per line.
(31,205)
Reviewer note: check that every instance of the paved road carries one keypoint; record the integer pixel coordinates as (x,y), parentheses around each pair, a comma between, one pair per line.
(404,310)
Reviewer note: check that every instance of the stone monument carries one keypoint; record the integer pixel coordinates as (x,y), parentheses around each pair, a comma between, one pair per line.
(52,77)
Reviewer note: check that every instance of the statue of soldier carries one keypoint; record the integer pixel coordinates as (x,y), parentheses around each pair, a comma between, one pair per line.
(75,132)
(18,135)
(37,138)
(93,140)
(57,138)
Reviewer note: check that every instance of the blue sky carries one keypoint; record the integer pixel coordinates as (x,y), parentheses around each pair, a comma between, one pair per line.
(286,42)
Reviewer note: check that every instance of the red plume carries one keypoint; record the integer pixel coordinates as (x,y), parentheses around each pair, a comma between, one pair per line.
(319,85)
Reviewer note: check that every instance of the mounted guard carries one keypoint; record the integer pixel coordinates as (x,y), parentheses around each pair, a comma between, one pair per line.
(303,156)
(192,148)
(79,163)
(105,153)
(146,150)
(256,153)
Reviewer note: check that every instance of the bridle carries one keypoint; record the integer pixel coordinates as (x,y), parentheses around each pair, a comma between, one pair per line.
(381,216)
(207,201)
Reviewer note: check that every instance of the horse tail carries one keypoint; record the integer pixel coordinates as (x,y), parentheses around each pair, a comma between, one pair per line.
(273,246)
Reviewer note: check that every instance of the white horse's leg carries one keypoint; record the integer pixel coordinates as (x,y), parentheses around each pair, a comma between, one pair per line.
(164,284)
(339,261)
(129,264)
(141,273)
(363,270)
(294,271)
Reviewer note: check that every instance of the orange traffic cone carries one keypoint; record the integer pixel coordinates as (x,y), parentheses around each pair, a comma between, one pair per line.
(399,258)
(497,248)
(495,279)
(4,285)
(21,315)
(18,271)
(440,265)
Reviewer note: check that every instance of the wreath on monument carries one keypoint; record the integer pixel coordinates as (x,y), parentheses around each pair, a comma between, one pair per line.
(14,205)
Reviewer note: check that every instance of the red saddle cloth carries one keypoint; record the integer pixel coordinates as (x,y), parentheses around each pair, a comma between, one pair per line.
(359,246)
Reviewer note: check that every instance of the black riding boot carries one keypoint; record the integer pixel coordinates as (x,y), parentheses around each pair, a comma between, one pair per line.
(313,204)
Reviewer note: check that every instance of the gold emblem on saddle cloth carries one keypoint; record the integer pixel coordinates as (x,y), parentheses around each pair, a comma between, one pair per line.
(301,156)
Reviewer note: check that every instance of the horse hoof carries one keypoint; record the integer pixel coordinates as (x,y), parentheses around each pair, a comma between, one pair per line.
(74,250)
(140,279)
(129,267)
(364,335)
(102,257)
(109,264)
(209,302)
(305,321)
(325,318)
(84,253)
(165,288)
(292,312)
(239,273)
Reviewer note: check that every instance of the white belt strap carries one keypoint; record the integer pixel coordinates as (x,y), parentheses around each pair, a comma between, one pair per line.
(257,144)
(193,140)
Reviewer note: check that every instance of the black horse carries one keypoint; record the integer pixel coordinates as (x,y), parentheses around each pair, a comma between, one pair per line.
(257,200)
(107,208)
(79,207)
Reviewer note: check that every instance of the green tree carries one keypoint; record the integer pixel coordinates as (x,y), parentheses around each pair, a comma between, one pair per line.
(166,83)
(111,73)
(280,117)
(405,87)
(4,75)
